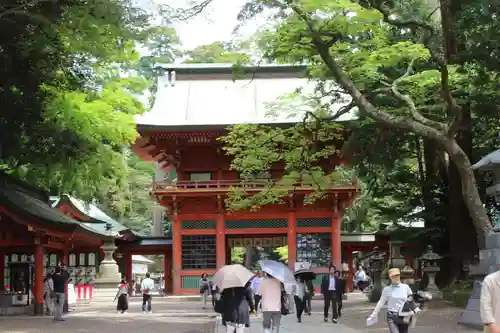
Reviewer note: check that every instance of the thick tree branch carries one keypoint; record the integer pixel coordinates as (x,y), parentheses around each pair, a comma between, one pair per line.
(409,101)
(454,109)
(364,105)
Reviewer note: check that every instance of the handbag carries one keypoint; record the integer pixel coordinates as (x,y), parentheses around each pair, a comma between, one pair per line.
(398,320)
(285,303)
(219,306)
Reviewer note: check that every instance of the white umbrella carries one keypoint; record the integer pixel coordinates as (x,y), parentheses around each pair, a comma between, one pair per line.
(488,162)
(278,270)
(232,276)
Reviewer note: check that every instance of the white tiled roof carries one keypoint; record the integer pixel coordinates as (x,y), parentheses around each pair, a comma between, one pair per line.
(226,102)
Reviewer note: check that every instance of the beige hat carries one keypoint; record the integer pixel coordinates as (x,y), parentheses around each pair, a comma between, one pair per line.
(394,272)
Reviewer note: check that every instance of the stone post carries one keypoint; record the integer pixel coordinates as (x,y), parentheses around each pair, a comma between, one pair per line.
(376,262)
(109,274)
(430,262)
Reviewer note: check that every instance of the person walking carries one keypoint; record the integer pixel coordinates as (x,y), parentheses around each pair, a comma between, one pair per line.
(309,296)
(395,295)
(270,290)
(255,288)
(59,282)
(339,292)
(329,286)
(204,289)
(147,286)
(490,303)
(300,298)
(48,294)
(214,291)
(122,297)
(234,307)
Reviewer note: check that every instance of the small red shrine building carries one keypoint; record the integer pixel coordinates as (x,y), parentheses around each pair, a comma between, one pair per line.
(34,239)
(194,106)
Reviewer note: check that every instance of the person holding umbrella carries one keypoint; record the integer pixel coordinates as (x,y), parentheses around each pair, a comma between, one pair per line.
(273,295)
(305,289)
(235,298)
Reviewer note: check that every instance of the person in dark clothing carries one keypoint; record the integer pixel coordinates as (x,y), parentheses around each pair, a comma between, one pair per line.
(122,297)
(329,286)
(340,292)
(59,280)
(309,296)
(300,298)
(234,308)
(214,290)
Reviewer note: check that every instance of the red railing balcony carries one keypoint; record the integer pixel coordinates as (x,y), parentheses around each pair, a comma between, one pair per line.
(163,187)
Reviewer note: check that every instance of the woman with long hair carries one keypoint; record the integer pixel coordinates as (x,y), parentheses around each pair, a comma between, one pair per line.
(122,296)
(395,295)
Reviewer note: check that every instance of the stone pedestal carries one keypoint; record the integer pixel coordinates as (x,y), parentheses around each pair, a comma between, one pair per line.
(432,287)
(489,261)
(376,267)
(109,274)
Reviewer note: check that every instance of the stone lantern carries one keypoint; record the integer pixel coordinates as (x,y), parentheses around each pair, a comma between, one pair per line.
(430,266)
(408,275)
(396,260)
(376,262)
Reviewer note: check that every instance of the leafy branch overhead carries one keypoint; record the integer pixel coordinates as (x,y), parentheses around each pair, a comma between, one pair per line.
(390,60)
(305,151)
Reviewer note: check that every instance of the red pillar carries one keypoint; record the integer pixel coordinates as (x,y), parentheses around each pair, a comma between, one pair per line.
(2,269)
(292,240)
(167,271)
(176,255)
(336,242)
(128,266)
(65,261)
(38,279)
(221,241)
(350,275)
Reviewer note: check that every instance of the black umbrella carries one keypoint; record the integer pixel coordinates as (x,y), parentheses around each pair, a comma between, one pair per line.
(305,275)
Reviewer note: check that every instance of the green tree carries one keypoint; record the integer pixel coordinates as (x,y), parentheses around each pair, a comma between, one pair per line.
(69,145)
(397,81)
(218,52)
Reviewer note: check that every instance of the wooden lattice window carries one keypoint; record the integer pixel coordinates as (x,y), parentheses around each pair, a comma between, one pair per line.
(199,252)
(200,176)
(315,248)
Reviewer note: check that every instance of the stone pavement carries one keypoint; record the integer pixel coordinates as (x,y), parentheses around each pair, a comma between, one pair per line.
(173,316)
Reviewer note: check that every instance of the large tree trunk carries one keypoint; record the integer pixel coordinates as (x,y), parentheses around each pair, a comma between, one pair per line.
(461,226)
(469,191)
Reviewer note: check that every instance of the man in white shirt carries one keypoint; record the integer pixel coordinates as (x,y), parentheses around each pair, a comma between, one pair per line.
(270,292)
(255,289)
(329,287)
(147,286)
